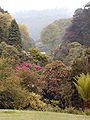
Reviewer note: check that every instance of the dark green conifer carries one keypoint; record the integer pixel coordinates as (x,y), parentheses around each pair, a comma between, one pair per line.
(14,36)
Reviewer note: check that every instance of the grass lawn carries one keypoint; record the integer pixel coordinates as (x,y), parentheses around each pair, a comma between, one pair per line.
(34,115)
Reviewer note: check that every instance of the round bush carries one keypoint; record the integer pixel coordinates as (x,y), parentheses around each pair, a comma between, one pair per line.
(56,83)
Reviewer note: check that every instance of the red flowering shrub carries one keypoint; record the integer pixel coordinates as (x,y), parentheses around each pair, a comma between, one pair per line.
(57,86)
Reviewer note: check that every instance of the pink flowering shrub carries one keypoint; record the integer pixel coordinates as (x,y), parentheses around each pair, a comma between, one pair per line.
(29,75)
(56,79)
(25,65)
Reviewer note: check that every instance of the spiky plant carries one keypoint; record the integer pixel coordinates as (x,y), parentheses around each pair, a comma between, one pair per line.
(83,86)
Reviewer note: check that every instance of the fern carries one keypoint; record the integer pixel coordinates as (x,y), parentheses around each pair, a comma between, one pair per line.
(83,86)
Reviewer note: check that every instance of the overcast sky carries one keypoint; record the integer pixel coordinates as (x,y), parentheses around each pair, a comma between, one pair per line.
(21,5)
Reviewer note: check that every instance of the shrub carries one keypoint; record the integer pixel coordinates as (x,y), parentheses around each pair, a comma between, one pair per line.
(37,57)
(33,102)
(29,80)
(57,86)
(12,96)
(10,53)
(30,77)
(79,66)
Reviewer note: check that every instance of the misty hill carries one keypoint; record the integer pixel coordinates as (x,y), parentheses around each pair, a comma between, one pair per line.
(37,20)
(52,34)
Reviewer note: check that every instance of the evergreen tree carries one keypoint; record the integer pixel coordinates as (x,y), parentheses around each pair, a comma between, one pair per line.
(14,36)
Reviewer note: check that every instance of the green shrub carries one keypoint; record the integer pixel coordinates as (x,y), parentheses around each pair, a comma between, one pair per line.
(79,66)
(12,96)
(37,57)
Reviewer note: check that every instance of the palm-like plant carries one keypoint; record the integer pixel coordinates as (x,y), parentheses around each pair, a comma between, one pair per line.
(83,86)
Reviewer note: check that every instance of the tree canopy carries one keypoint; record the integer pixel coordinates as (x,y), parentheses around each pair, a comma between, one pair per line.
(79,30)
(27,41)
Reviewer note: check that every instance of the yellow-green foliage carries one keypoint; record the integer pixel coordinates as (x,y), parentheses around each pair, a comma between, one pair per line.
(13,96)
(9,53)
(5,70)
(11,93)
(5,20)
(27,41)
(83,86)
(37,57)
(35,103)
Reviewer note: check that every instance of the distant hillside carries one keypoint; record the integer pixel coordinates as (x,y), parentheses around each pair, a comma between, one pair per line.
(47,38)
(37,20)
(62,24)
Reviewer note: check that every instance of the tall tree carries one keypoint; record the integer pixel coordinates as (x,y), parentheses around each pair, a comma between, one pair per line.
(14,36)
(79,30)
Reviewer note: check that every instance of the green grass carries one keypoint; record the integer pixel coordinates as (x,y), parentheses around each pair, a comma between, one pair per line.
(34,115)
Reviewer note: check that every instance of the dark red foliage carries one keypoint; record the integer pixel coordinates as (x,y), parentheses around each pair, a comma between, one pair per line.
(79,30)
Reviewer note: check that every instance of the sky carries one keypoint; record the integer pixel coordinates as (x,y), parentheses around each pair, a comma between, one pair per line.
(13,6)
